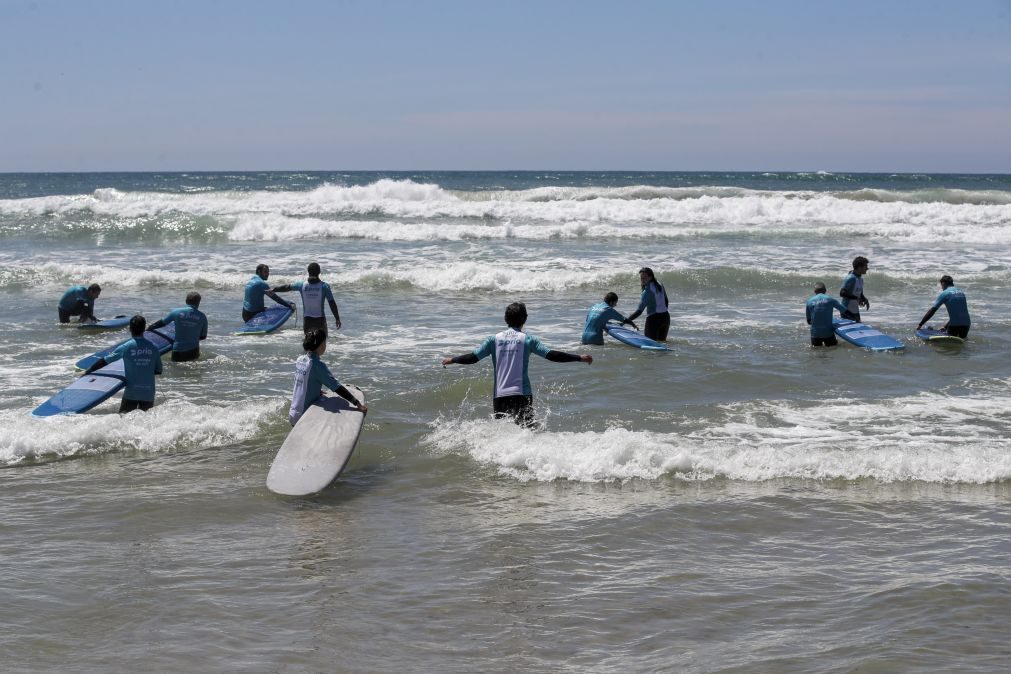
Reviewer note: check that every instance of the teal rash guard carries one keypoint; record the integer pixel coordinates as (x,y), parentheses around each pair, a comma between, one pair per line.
(597,317)
(141,361)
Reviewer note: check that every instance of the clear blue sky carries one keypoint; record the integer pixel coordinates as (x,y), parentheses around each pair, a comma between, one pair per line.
(853,85)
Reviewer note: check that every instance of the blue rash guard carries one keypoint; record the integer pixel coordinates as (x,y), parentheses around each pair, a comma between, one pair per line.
(76,298)
(598,316)
(819,314)
(851,292)
(311,375)
(142,361)
(191,327)
(313,296)
(954,301)
(256,288)
(510,352)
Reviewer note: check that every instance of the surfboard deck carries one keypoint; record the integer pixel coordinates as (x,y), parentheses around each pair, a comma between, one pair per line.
(116,323)
(86,392)
(163,338)
(266,321)
(318,448)
(634,338)
(938,337)
(865,336)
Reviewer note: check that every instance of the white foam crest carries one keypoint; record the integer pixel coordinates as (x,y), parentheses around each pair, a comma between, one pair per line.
(906,439)
(172,425)
(465,275)
(61,273)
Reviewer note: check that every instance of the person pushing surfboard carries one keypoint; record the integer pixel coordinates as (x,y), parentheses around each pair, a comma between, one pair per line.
(79,301)
(141,361)
(819,308)
(510,353)
(311,375)
(191,328)
(598,316)
(953,300)
(256,288)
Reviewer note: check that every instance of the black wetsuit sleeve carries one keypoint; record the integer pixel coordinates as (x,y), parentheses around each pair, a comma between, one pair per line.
(562,357)
(283,288)
(99,364)
(466,359)
(346,394)
(157,324)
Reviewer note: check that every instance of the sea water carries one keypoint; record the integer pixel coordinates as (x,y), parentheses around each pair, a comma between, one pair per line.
(744,503)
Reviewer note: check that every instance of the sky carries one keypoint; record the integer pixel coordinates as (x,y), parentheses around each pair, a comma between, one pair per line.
(851,85)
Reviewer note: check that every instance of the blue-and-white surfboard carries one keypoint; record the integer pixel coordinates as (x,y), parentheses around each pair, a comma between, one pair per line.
(117,323)
(266,321)
(938,337)
(633,338)
(163,338)
(865,336)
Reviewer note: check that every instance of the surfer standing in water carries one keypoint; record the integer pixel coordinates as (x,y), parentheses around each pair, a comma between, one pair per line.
(313,292)
(141,362)
(819,316)
(852,291)
(510,354)
(653,301)
(256,288)
(191,328)
(312,374)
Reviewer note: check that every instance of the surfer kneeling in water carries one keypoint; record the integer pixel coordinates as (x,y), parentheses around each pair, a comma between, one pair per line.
(141,362)
(510,351)
(311,374)
(819,316)
(958,310)
(256,288)
(653,301)
(79,301)
(598,316)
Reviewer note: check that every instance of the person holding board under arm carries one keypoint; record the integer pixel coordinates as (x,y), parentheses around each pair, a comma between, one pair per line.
(598,316)
(313,291)
(191,328)
(653,301)
(510,353)
(819,316)
(141,362)
(79,301)
(256,288)
(311,375)
(958,310)
(852,291)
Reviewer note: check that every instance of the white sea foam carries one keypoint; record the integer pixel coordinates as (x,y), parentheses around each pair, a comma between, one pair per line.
(904,439)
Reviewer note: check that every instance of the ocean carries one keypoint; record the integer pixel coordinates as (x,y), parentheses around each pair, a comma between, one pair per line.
(745,503)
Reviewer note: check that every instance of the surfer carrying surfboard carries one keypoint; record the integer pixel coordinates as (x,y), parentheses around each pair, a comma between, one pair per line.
(953,300)
(311,375)
(653,301)
(191,328)
(852,291)
(79,301)
(598,316)
(256,288)
(510,354)
(141,362)
(819,316)
(313,292)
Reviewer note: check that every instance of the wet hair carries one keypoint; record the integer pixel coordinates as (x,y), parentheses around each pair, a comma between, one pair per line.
(313,339)
(137,325)
(648,271)
(516,315)
(611,298)
(819,287)
(193,299)
(947,281)
(860,261)
(261,267)
(313,269)
(94,288)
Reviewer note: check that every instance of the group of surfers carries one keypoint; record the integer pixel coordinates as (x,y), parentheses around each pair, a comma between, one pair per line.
(510,349)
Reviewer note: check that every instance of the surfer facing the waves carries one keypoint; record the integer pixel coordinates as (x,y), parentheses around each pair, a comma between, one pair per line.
(191,327)
(79,301)
(510,353)
(313,292)
(852,290)
(256,288)
(598,316)
(141,362)
(312,374)
(958,310)
(819,316)
(654,302)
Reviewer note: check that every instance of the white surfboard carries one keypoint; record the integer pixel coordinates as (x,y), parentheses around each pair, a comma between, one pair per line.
(319,446)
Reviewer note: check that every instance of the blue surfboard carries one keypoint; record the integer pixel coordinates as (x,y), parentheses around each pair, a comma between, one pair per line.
(117,323)
(633,338)
(266,321)
(938,337)
(864,336)
(163,338)
(88,391)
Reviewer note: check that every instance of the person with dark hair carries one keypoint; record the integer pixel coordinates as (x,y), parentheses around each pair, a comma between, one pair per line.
(953,300)
(256,288)
(313,291)
(311,375)
(598,316)
(191,328)
(79,301)
(141,362)
(852,291)
(510,353)
(653,301)
(819,316)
